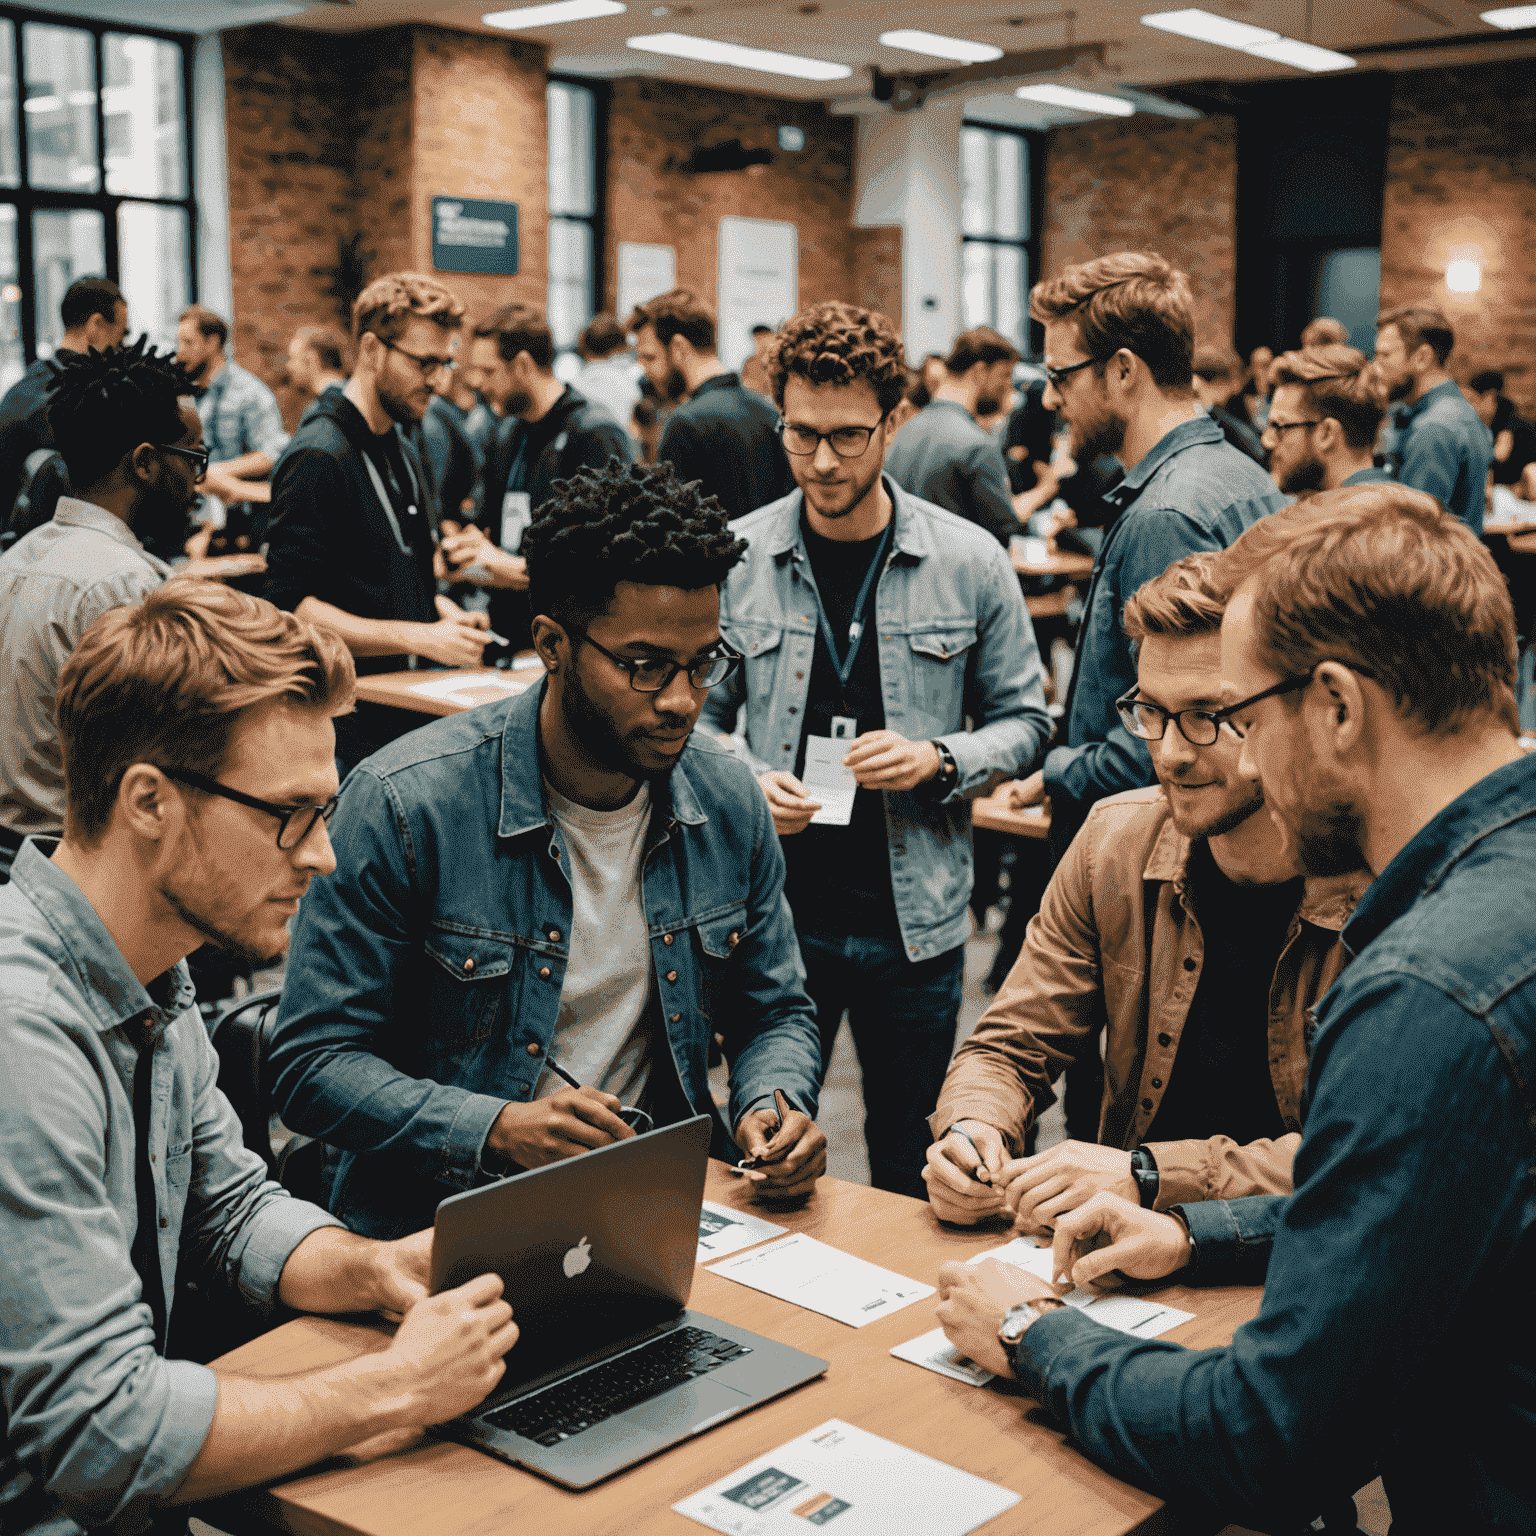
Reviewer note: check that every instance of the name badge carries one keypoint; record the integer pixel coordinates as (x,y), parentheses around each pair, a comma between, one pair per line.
(844,727)
(516,514)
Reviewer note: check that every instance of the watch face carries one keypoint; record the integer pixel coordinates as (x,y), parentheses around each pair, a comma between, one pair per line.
(1015,1321)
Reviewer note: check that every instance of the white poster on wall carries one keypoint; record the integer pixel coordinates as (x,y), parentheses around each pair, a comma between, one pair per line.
(759,272)
(644,271)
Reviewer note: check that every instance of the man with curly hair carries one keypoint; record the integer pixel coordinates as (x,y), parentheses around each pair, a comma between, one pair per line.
(570,877)
(874,625)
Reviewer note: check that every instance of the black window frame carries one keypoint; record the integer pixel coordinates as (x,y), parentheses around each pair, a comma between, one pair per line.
(27,199)
(1034,162)
(597,220)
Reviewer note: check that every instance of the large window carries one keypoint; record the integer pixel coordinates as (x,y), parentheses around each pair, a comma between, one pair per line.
(575,202)
(95,176)
(999,244)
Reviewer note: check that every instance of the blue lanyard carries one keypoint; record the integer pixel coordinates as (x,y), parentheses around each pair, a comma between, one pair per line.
(856,626)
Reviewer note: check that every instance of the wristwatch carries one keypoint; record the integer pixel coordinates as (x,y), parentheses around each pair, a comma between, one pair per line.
(1148,1180)
(949,770)
(1021,1316)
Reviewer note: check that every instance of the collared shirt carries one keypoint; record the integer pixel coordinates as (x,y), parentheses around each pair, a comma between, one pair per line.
(1439,444)
(725,436)
(99,1428)
(1192,491)
(943,455)
(1370,475)
(1392,1335)
(54,584)
(955,645)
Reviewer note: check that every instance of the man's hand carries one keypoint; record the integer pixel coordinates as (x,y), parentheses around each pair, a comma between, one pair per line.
(447,1355)
(448,609)
(455,640)
(402,1271)
(887,760)
(1110,1233)
(1050,1184)
(790,1159)
(961,1176)
(197,545)
(550,1130)
(1018,794)
(972,1301)
(788,802)
(472,557)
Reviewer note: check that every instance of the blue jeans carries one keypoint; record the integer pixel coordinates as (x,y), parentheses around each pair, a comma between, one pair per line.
(902,1014)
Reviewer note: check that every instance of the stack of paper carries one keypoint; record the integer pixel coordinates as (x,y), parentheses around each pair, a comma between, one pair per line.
(824,1280)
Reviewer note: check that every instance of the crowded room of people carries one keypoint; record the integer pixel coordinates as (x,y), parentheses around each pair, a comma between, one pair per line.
(763,766)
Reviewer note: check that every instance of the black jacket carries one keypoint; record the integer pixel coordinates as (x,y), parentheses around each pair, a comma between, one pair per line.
(726,437)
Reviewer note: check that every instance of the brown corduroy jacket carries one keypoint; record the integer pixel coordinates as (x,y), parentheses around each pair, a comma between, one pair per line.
(1116,948)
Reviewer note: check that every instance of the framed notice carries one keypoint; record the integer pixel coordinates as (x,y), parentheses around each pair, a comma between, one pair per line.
(474,236)
(644,272)
(759,281)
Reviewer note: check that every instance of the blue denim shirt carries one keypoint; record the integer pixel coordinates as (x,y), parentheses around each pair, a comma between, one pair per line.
(1396,1332)
(1439,444)
(423,985)
(955,643)
(1192,491)
(99,1429)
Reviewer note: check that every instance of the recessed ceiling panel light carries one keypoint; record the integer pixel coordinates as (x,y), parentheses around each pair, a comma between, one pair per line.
(551,15)
(707,51)
(1079,101)
(1511,17)
(1302,55)
(1207,28)
(937,47)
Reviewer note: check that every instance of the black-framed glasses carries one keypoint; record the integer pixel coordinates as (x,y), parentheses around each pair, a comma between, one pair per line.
(652,675)
(430,366)
(1054,376)
(1149,721)
(1285,426)
(294,822)
(847,442)
(1286,685)
(197,457)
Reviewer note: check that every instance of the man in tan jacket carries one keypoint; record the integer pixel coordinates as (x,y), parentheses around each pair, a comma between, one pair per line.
(1179,925)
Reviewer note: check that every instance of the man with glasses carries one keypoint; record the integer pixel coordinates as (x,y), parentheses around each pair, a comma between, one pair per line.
(568,886)
(125,425)
(354,523)
(1179,922)
(1326,408)
(876,629)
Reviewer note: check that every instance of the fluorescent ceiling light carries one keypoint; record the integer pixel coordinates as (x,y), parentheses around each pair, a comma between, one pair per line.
(1512,16)
(551,15)
(939,47)
(1206,28)
(707,51)
(1302,55)
(1079,101)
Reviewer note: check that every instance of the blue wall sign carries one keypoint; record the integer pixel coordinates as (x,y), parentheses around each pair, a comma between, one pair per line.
(471,236)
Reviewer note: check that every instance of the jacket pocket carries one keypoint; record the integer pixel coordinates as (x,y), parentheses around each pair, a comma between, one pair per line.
(940,656)
(716,936)
(471,976)
(762,645)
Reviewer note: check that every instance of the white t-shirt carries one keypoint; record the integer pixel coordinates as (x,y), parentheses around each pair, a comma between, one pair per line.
(601,1033)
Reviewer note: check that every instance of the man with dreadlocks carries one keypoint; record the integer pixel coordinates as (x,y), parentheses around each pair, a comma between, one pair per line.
(571,875)
(128,431)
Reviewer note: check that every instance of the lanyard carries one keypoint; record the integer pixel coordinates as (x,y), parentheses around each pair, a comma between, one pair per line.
(856,626)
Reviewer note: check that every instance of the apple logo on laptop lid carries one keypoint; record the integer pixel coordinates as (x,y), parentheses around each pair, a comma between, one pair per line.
(577,1259)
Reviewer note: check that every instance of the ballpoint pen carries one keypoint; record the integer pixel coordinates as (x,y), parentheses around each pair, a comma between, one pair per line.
(638,1120)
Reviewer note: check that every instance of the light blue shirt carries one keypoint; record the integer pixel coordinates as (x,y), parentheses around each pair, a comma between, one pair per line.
(99,1429)
(1439,444)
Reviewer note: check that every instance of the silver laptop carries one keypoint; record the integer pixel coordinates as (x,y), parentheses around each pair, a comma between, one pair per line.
(597,1255)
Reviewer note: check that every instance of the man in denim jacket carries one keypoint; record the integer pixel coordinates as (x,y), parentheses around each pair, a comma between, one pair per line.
(568,878)
(874,626)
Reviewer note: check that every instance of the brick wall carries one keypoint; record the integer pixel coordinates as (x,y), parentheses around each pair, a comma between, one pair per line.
(1149,183)
(877,269)
(1461,185)
(653,126)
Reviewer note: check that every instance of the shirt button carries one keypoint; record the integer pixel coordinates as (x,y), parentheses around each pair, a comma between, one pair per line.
(554,935)
(1189,963)
(543,973)
(1165,1039)
(666,938)
(1146,1103)
(165,1221)
(671,975)
(1157,1082)
(152,1157)
(798,676)
(533,1047)
(672,1018)
(793,710)
(469,966)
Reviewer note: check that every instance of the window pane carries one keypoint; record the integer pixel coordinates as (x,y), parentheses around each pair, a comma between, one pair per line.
(1011,281)
(60,107)
(570,279)
(975,182)
(145,116)
(572,149)
(10,160)
(976,283)
(66,243)
(13,359)
(1009,219)
(152,261)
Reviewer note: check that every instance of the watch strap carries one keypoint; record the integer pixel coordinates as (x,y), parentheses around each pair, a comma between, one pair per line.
(1148,1180)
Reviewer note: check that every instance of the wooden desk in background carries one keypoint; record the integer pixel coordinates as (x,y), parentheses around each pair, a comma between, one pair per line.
(991,815)
(479,686)
(449,1490)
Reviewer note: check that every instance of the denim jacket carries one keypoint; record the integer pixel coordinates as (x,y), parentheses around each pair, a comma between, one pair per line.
(955,643)
(424,980)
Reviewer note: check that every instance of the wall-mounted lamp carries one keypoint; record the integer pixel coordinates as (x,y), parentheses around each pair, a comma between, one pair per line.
(1463,276)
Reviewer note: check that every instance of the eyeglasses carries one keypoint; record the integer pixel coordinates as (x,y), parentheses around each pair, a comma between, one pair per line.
(194,456)
(1285,685)
(294,822)
(652,676)
(847,442)
(1149,721)
(1054,376)
(429,365)
(1285,426)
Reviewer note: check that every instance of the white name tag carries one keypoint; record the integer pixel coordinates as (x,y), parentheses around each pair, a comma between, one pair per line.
(829,781)
(516,514)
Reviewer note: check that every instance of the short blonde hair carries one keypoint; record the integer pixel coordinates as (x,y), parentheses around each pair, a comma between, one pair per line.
(388,305)
(166,681)
(1338,382)
(1181,602)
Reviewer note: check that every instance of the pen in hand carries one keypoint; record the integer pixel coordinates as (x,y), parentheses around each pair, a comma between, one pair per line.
(781,1108)
(638,1120)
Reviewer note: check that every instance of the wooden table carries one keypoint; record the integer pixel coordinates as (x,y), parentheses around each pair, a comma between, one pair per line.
(449,1490)
(992,815)
(1057,565)
(396,688)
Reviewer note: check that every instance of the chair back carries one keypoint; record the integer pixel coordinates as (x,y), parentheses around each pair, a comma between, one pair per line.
(242,1037)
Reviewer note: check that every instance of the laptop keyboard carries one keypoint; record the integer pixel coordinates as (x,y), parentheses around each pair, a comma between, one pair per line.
(559,1412)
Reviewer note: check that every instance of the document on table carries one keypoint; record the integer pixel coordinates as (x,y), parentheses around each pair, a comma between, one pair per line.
(473,687)
(823,1279)
(855,1482)
(723,1231)
(934,1352)
(828,781)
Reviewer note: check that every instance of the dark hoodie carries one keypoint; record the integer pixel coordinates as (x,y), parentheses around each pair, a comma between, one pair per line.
(329,534)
